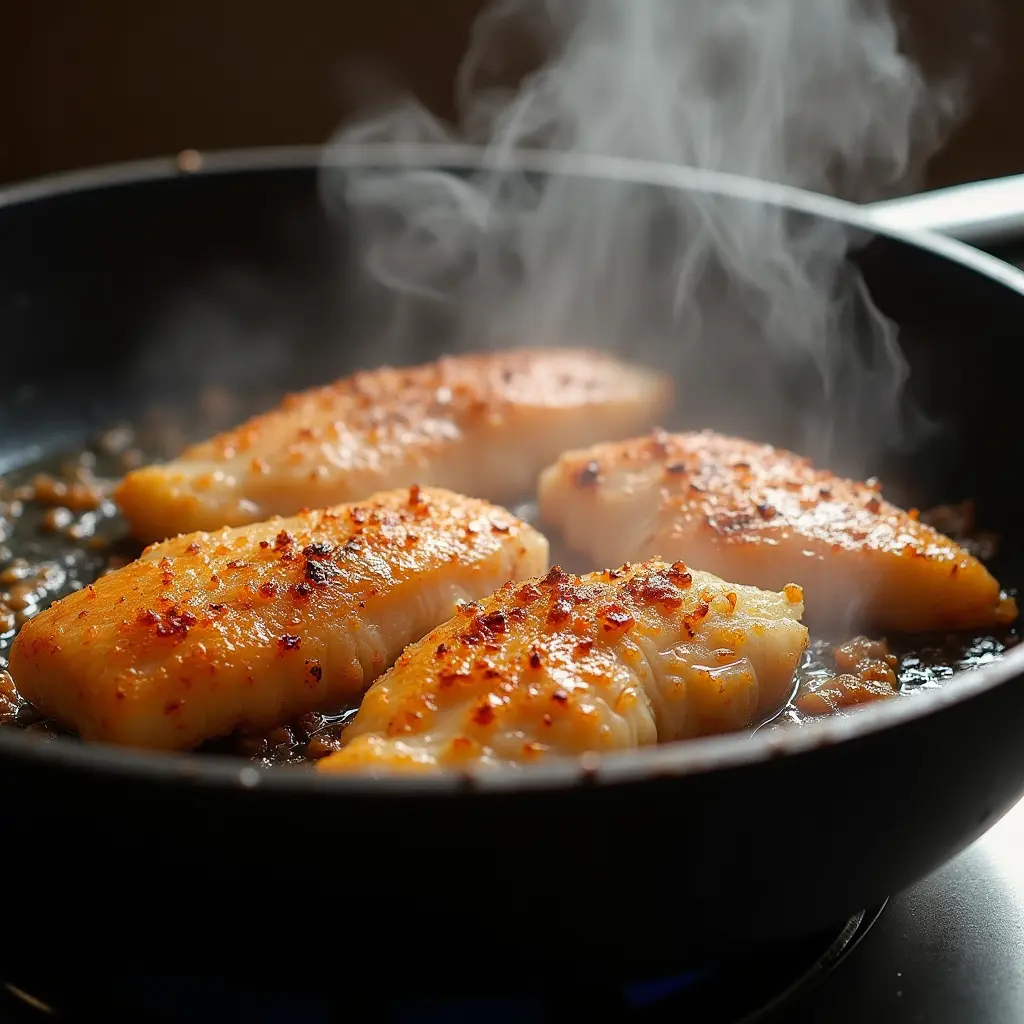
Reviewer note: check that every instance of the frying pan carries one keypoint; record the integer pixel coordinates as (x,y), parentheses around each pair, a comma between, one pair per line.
(702,849)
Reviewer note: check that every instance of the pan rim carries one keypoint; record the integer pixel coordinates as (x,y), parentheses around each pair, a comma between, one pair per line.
(694,757)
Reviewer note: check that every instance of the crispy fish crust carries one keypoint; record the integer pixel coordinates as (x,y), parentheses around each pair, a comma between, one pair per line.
(566,665)
(766,516)
(253,626)
(482,424)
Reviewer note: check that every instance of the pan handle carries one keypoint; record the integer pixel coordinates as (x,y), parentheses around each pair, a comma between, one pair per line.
(985,214)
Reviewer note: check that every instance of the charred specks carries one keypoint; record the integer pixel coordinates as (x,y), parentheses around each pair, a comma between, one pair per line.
(289,642)
(236,563)
(264,544)
(442,650)
(588,475)
(268,589)
(172,623)
(561,609)
(483,715)
(679,575)
(765,510)
(320,572)
(615,619)
(302,590)
(315,670)
(654,588)
(320,549)
(217,609)
(556,576)
(494,622)
(484,628)
(676,469)
(283,541)
(535,660)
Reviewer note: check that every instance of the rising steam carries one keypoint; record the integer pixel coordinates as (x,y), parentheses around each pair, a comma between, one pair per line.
(758,313)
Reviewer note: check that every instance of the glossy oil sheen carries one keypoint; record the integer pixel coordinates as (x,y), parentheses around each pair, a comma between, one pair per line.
(316,882)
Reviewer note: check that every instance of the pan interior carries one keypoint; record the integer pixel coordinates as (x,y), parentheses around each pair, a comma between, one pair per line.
(179,306)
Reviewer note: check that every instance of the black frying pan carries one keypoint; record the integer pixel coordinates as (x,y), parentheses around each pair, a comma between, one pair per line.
(692,850)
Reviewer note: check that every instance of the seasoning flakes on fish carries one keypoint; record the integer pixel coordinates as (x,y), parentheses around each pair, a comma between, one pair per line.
(565,665)
(251,627)
(763,515)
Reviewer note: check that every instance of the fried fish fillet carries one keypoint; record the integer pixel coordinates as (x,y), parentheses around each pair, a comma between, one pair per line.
(567,665)
(482,424)
(253,626)
(766,516)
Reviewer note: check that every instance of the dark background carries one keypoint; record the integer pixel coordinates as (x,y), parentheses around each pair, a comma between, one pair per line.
(93,81)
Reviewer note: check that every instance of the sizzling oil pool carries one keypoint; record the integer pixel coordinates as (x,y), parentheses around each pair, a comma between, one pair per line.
(59,531)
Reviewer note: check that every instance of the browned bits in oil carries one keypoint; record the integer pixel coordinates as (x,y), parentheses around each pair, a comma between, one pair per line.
(676,469)
(442,650)
(535,659)
(584,646)
(17,570)
(766,511)
(283,541)
(588,475)
(264,544)
(59,518)
(873,504)
(289,642)
(116,440)
(9,698)
(527,594)
(193,548)
(302,590)
(268,589)
(315,669)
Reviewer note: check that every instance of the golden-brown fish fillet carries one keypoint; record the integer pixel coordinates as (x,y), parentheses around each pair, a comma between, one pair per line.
(253,626)
(482,424)
(766,516)
(567,665)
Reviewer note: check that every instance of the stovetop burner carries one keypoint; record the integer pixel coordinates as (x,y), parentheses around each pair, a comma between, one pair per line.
(757,990)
